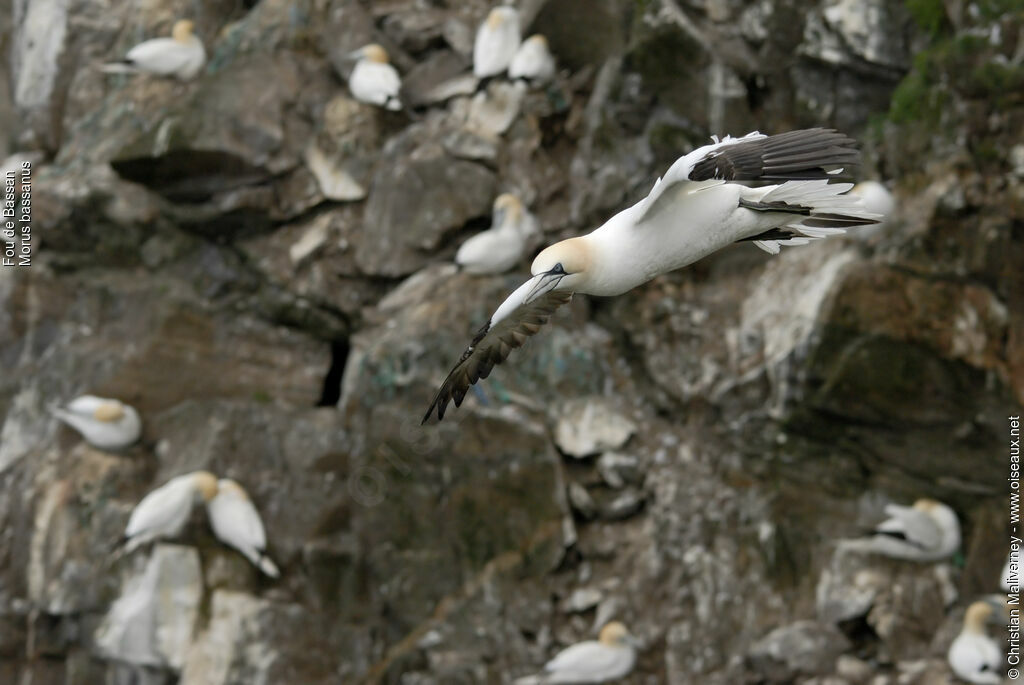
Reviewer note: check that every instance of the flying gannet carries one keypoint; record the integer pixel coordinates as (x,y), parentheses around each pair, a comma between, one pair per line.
(165,511)
(373,80)
(974,655)
(927,531)
(496,43)
(533,61)
(500,247)
(236,522)
(182,55)
(696,209)
(104,423)
(610,657)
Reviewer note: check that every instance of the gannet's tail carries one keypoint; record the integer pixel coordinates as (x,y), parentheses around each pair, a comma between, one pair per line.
(819,209)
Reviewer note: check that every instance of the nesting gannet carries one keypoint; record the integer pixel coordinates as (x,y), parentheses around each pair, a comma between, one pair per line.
(974,656)
(182,55)
(500,247)
(497,40)
(876,197)
(1010,576)
(610,657)
(104,423)
(165,511)
(690,213)
(236,522)
(927,531)
(373,80)
(533,61)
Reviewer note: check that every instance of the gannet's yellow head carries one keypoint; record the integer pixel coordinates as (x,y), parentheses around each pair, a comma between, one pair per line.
(373,53)
(564,265)
(539,40)
(927,505)
(109,411)
(507,208)
(231,487)
(182,30)
(614,634)
(977,616)
(205,484)
(500,15)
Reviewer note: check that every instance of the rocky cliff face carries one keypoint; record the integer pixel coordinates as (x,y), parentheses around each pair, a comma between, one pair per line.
(256,262)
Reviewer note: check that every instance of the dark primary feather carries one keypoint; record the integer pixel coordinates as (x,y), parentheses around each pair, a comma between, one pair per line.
(796,155)
(491,346)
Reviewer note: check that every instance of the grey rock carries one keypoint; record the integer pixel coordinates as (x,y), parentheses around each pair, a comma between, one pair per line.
(581,501)
(590,425)
(617,469)
(582,599)
(804,648)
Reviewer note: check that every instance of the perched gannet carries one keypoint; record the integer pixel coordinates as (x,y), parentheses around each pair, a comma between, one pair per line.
(497,40)
(974,656)
(500,247)
(373,80)
(533,61)
(104,423)
(182,55)
(610,657)
(690,213)
(165,511)
(927,531)
(236,522)
(1010,576)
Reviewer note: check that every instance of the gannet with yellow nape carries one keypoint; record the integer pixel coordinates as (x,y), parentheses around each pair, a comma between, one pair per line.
(926,531)
(610,657)
(696,209)
(974,655)
(181,56)
(164,512)
(236,522)
(533,61)
(373,80)
(496,43)
(500,247)
(104,423)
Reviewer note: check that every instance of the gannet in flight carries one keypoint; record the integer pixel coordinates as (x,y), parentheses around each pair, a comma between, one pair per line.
(373,80)
(693,211)
(165,511)
(610,657)
(533,61)
(497,40)
(500,247)
(974,656)
(236,522)
(927,531)
(182,55)
(104,423)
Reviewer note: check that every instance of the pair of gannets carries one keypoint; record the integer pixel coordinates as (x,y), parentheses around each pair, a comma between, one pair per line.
(974,655)
(927,531)
(610,657)
(181,56)
(500,247)
(233,517)
(104,423)
(698,207)
(499,47)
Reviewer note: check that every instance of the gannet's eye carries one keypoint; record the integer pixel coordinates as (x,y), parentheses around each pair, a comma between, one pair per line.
(559,269)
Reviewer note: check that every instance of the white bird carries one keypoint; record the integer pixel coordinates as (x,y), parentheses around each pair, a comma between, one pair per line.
(496,43)
(974,656)
(104,423)
(181,56)
(927,531)
(690,213)
(1010,576)
(533,61)
(374,80)
(500,247)
(165,511)
(610,657)
(236,522)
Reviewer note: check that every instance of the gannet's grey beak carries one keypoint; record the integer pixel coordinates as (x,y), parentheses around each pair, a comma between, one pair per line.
(543,284)
(498,219)
(355,54)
